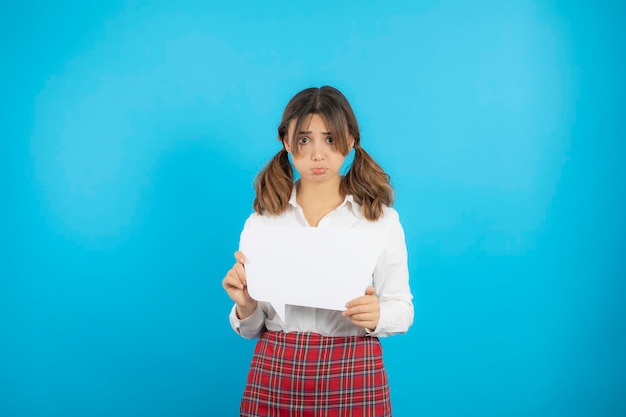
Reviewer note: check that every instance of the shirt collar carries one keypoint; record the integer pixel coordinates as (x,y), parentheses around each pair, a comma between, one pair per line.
(347,201)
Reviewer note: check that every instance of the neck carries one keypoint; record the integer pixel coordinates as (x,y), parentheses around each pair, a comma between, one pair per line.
(319,195)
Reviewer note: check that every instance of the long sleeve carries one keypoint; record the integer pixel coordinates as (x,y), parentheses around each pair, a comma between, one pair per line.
(250,327)
(391,280)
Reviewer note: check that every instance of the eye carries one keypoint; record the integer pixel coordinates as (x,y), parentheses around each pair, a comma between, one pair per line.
(330,140)
(304,140)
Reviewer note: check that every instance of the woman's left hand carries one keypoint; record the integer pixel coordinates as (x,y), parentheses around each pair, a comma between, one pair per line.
(364,311)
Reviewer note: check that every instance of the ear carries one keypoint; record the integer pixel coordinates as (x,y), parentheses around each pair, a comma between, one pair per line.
(287,144)
(351,142)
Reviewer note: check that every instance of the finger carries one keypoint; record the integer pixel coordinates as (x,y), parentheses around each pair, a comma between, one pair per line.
(357,301)
(365,299)
(362,309)
(240,272)
(370,316)
(365,320)
(352,311)
(240,257)
(362,316)
(370,306)
(370,292)
(232,281)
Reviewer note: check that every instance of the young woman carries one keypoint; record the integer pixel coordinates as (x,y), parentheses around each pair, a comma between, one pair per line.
(317,361)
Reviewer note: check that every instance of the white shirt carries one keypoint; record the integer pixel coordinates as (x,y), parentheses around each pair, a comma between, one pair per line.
(390,279)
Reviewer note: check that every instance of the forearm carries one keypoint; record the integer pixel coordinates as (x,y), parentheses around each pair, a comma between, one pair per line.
(251,326)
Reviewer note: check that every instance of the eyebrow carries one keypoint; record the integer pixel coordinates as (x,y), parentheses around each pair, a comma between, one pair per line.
(307,132)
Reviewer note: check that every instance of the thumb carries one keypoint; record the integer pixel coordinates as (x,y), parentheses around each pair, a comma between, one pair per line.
(370,290)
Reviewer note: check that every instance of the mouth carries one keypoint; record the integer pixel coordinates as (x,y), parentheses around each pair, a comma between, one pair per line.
(319,171)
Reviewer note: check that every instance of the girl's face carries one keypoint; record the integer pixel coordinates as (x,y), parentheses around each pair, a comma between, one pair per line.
(318,159)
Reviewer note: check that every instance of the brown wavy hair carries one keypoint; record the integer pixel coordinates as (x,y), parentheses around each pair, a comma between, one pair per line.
(366,181)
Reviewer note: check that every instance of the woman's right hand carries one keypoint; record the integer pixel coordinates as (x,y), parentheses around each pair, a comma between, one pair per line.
(236,286)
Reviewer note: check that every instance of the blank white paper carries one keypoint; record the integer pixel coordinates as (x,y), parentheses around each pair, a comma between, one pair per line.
(308,266)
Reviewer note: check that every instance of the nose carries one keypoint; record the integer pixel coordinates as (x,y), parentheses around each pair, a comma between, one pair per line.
(318,151)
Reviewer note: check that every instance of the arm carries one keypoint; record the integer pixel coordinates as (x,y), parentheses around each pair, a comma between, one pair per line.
(250,327)
(391,280)
(246,316)
(386,308)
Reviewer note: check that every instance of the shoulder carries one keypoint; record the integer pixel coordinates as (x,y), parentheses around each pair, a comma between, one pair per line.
(389,222)
(390,213)
(388,216)
(393,231)
(255,219)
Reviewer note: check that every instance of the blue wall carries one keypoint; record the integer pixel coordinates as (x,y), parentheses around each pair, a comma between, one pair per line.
(130,136)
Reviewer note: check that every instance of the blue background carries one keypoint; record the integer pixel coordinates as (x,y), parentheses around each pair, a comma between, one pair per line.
(131,133)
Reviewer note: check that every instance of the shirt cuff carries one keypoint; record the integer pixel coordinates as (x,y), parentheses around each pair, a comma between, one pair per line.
(251,326)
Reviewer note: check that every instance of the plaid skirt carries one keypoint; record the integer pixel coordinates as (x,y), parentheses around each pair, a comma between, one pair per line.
(306,374)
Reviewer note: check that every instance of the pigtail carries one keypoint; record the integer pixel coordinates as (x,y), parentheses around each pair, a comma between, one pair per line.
(368,183)
(273,185)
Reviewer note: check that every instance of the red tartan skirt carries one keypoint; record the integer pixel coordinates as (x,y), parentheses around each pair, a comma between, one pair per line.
(306,374)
